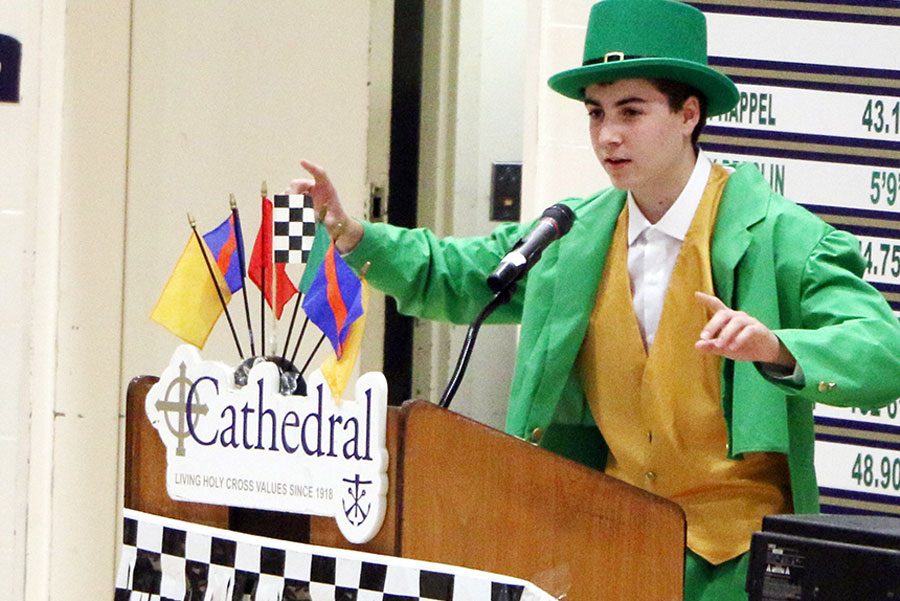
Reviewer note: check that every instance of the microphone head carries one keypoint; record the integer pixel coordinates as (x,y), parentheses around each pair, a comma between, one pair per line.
(555,222)
(562,216)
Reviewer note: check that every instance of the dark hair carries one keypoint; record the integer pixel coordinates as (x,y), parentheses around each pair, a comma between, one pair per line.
(676,94)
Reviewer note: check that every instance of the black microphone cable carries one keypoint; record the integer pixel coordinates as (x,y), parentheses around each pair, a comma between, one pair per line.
(555,222)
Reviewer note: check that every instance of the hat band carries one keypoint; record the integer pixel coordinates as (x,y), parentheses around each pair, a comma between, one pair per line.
(611,57)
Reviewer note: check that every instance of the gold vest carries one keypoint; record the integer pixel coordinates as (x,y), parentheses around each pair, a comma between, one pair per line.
(660,411)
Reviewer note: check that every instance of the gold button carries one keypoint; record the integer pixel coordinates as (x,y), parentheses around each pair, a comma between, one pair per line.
(651,476)
(536,434)
(826,386)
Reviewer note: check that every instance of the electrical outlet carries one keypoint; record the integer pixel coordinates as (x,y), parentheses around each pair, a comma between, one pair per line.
(506,191)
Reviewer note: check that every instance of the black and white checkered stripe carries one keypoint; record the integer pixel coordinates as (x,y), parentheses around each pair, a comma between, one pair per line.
(295,227)
(164,559)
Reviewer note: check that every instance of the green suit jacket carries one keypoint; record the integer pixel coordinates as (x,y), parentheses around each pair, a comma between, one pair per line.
(770,258)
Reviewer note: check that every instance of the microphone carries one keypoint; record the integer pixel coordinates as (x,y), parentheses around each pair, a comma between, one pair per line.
(555,222)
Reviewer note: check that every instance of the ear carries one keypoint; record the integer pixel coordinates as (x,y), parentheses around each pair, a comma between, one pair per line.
(690,114)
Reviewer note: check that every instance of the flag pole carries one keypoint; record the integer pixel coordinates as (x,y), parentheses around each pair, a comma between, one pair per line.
(274,284)
(212,275)
(312,354)
(239,234)
(287,339)
(293,318)
(299,338)
(262,298)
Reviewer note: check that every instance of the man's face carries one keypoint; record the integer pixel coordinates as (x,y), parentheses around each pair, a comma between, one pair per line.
(642,144)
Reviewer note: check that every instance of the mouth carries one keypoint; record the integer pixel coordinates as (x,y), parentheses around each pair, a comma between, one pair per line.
(614,162)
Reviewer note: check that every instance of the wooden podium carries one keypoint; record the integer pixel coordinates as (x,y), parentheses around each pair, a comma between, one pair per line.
(464,494)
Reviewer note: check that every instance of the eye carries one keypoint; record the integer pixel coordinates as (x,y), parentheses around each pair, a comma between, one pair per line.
(595,113)
(631,112)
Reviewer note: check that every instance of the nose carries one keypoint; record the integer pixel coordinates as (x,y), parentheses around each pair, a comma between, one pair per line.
(608,135)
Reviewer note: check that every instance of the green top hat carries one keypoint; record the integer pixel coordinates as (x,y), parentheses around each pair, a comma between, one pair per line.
(648,39)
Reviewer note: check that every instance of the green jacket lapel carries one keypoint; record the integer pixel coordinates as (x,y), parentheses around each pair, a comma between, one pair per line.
(577,264)
(758,421)
(582,253)
(735,217)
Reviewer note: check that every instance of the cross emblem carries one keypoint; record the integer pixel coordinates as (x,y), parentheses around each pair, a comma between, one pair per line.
(179,407)
(356,494)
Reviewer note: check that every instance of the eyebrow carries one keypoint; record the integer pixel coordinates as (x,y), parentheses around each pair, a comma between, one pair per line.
(622,102)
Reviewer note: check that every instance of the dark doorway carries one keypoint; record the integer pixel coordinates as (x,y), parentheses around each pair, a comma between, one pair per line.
(403,179)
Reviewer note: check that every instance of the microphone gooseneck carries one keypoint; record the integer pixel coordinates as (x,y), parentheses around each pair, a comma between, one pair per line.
(555,222)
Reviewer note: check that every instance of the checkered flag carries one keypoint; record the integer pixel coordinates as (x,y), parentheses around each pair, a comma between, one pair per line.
(167,560)
(295,227)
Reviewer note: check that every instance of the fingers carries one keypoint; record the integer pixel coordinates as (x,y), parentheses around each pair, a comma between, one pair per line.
(308,186)
(310,166)
(709,301)
(715,324)
(737,335)
(744,338)
(344,230)
(720,331)
(317,172)
(721,315)
(724,327)
(738,324)
(301,186)
(325,201)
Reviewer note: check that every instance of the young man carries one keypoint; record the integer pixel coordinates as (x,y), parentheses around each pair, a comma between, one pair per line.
(678,336)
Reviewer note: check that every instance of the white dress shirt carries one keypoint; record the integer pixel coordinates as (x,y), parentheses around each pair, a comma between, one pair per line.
(652,251)
(653,248)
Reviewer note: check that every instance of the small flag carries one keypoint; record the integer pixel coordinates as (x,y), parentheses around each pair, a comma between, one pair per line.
(337,371)
(316,255)
(189,305)
(239,234)
(295,227)
(262,255)
(223,244)
(333,301)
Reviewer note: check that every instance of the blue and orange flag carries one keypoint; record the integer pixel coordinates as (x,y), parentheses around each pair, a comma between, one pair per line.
(224,242)
(337,371)
(334,300)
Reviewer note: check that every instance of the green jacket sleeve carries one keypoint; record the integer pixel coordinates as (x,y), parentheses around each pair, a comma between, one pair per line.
(848,342)
(443,279)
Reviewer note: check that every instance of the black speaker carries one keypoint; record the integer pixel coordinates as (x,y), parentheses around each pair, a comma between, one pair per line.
(825,558)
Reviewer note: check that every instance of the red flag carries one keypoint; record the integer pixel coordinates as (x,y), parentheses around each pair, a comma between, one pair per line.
(262,256)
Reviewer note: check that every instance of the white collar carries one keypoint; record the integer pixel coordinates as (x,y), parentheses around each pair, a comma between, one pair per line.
(677,219)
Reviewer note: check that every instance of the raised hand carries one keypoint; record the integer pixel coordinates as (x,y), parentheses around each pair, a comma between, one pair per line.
(739,336)
(343,229)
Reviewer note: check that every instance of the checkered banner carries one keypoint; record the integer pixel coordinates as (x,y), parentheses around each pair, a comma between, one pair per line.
(295,227)
(169,560)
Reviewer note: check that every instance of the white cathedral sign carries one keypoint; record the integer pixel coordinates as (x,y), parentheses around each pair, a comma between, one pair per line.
(252,446)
